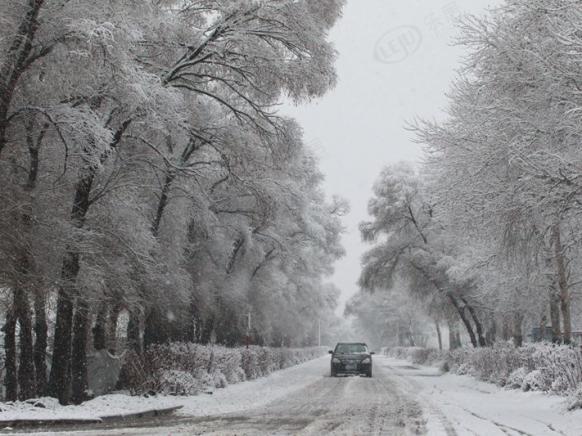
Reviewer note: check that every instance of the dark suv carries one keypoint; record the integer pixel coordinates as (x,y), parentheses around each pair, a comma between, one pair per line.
(351,358)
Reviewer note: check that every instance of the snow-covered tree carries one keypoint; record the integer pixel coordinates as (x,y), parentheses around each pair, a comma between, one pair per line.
(138,143)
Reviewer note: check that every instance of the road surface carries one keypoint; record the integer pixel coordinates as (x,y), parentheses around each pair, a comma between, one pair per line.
(401,399)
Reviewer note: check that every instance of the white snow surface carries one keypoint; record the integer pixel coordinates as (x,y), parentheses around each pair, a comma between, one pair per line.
(234,398)
(462,405)
(401,399)
(106,405)
(254,394)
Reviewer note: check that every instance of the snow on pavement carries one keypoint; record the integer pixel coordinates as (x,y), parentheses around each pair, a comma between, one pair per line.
(255,393)
(238,397)
(462,405)
(301,400)
(401,399)
(234,398)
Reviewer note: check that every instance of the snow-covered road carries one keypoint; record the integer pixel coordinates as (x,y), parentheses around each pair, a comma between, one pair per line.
(401,399)
(461,405)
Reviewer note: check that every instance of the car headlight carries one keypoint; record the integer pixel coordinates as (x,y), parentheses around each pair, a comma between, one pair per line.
(336,360)
(367,360)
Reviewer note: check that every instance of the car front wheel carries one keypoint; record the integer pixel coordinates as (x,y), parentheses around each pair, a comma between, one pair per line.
(369,373)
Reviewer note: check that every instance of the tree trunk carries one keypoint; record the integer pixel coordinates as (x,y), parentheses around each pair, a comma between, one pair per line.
(207,330)
(452,342)
(542,326)
(156,326)
(506,328)
(454,335)
(41,333)
(411,335)
(100,329)
(193,333)
(112,329)
(163,203)
(555,316)
(464,319)
(10,377)
(566,318)
(22,309)
(563,286)
(16,62)
(517,329)
(133,332)
(401,342)
(491,333)
(26,379)
(439,335)
(40,322)
(80,384)
(59,382)
(478,325)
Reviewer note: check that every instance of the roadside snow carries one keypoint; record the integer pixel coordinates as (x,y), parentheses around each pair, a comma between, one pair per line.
(462,405)
(256,393)
(49,409)
(235,398)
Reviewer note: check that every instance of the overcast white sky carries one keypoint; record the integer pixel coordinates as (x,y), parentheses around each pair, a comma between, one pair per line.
(396,62)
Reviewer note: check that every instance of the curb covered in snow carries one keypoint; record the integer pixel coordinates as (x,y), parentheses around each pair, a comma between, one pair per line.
(75,421)
(145,414)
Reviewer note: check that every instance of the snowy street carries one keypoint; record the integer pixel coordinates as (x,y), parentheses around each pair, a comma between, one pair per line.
(199,197)
(401,399)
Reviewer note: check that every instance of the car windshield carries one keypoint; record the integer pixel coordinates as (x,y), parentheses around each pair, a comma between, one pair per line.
(351,349)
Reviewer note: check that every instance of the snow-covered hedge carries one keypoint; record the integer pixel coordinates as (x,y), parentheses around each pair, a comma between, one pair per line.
(187,369)
(418,355)
(539,367)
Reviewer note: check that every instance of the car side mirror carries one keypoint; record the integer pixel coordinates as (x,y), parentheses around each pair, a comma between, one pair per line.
(372,352)
(330,352)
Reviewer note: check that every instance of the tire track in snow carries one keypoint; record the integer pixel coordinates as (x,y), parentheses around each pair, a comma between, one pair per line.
(335,406)
(406,376)
(413,389)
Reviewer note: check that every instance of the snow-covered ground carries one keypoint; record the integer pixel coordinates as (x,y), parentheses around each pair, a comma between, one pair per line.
(401,399)
(464,406)
(235,398)
(49,409)
(238,397)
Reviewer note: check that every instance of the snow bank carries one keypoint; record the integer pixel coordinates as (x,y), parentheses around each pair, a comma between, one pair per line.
(537,367)
(188,369)
(49,409)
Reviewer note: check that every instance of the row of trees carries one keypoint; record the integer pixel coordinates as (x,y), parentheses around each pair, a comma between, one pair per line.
(144,171)
(487,230)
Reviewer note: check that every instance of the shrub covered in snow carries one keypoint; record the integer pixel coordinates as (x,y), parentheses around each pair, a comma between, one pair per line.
(536,380)
(187,369)
(576,399)
(539,367)
(418,355)
(493,364)
(516,378)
